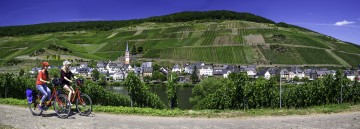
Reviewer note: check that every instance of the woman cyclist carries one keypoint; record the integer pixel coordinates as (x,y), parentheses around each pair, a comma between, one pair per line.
(41,82)
(65,79)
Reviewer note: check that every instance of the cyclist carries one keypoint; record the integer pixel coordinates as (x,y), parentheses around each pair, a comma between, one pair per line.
(41,82)
(65,79)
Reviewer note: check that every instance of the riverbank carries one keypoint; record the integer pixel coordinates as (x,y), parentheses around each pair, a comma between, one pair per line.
(324,109)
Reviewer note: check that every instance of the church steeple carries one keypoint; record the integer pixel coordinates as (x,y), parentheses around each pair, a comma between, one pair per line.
(127,46)
(127,54)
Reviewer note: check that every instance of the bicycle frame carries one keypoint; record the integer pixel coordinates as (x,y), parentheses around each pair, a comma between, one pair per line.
(54,97)
(77,94)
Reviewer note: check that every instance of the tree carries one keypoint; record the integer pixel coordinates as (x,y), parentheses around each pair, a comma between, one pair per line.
(338,83)
(133,86)
(171,90)
(95,74)
(102,80)
(194,78)
(54,72)
(92,64)
(296,78)
(147,79)
(21,72)
(239,80)
(156,67)
(140,49)
(133,50)
(158,76)
(140,94)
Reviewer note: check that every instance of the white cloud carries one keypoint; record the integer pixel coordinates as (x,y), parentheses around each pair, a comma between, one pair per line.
(342,23)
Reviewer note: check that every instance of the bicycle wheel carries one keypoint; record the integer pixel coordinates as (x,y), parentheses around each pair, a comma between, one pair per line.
(34,109)
(61,106)
(84,104)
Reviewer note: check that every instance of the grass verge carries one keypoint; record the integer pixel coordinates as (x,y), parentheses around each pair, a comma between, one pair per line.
(323,109)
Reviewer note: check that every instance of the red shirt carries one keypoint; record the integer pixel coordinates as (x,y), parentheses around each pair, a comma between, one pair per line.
(41,75)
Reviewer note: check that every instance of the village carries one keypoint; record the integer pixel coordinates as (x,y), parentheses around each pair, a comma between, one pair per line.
(118,70)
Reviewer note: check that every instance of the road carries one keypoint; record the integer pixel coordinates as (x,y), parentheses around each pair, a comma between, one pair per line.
(20,117)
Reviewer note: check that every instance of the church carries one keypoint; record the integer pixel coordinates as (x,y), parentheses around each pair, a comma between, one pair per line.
(127,54)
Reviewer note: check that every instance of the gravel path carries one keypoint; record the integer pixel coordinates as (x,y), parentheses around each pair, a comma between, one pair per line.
(19,117)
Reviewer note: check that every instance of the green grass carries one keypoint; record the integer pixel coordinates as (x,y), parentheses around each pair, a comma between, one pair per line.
(323,109)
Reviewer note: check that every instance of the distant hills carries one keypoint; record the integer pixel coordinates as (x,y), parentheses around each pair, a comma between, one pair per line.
(221,37)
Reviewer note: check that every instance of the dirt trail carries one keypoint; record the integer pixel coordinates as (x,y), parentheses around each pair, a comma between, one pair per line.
(19,117)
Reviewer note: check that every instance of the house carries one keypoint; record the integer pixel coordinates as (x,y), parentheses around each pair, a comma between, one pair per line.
(264,73)
(284,74)
(230,69)
(164,71)
(322,72)
(128,67)
(350,74)
(101,64)
(147,71)
(189,68)
(206,70)
(34,71)
(85,72)
(83,65)
(250,71)
(146,64)
(274,71)
(296,72)
(101,67)
(219,71)
(118,76)
(307,73)
(176,69)
(74,70)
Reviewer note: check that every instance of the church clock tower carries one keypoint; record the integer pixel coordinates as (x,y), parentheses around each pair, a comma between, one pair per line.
(127,54)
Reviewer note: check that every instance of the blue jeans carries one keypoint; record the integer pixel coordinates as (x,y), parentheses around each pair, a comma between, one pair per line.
(45,91)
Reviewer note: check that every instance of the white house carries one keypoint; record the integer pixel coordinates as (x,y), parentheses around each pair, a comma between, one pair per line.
(189,69)
(206,70)
(176,68)
(119,76)
(251,72)
(83,65)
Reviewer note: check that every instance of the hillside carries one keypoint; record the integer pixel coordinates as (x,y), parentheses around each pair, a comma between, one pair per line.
(215,37)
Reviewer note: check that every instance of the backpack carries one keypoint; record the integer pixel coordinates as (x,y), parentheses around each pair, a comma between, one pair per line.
(29,95)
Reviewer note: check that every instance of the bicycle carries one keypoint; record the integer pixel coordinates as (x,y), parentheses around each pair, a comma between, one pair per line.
(61,103)
(83,101)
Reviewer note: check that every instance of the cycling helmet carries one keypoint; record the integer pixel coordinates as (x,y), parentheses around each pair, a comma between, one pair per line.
(45,64)
(66,63)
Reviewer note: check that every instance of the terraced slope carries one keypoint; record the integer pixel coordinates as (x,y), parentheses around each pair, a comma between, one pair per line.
(217,41)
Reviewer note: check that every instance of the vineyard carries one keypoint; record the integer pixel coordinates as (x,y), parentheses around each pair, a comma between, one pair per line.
(227,41)
(226,54)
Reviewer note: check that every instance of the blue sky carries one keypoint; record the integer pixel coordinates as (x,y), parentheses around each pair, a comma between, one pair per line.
(337,18)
